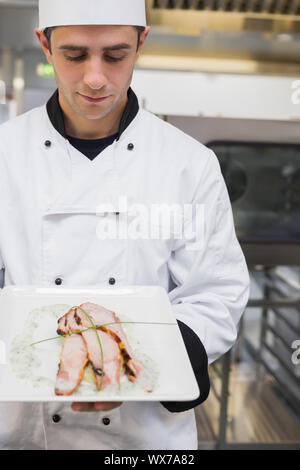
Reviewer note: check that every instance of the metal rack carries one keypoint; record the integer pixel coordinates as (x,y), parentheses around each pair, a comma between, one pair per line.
(272,301)
(275,302)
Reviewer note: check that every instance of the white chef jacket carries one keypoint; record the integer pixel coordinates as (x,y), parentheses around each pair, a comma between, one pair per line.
(49,215)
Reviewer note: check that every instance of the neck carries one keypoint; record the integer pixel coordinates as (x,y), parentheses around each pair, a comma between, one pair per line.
(82,128)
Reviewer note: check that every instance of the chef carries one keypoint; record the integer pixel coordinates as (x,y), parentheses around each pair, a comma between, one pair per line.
(92,146)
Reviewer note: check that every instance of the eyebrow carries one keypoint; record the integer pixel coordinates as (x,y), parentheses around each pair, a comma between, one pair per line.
(116,47)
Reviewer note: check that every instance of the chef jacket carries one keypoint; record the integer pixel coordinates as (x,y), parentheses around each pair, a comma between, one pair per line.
(50,195)
(92,148)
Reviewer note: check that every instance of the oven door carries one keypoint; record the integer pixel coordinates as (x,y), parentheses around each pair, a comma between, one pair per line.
(263,181)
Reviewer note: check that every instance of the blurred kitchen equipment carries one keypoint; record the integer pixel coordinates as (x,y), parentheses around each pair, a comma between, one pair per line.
(262,183)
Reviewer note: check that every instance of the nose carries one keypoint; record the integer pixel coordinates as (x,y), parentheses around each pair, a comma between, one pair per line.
(94,75)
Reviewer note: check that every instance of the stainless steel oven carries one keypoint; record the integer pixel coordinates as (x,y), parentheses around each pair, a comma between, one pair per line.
(263,181)
(260,161)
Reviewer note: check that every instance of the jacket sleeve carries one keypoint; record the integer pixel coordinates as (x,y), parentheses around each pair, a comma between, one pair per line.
(198,358)
(1,259)
(209,271)
(1,270)
(1,273)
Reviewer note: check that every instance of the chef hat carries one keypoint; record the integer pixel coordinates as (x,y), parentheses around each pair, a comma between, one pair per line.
(91,12)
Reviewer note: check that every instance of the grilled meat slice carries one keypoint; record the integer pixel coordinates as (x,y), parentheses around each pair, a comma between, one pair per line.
(106,321)
(67,323)
(73,359)
(111,369)
(111,325)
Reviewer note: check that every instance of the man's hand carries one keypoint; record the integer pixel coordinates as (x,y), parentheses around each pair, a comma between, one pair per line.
(97,406)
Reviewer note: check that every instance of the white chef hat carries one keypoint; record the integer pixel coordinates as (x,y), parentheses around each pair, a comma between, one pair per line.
(91,12)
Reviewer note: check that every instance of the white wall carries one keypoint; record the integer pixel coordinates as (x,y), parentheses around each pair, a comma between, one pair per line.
(217,95)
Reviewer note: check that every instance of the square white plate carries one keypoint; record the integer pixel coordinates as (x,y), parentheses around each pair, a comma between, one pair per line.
(29,314)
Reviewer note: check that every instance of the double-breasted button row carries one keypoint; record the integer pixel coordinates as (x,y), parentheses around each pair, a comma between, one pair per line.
(48,144)
(59,281)
(56,419)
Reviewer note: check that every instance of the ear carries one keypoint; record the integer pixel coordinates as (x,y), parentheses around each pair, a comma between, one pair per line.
(143,38)
(44,43)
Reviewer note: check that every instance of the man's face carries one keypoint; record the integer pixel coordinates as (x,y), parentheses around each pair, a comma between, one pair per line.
(93,66)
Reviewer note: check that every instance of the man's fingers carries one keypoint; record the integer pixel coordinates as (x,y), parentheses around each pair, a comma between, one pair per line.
(97,406)
(83,406)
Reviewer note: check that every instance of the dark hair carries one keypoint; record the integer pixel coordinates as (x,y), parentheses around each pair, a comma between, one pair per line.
(48,31)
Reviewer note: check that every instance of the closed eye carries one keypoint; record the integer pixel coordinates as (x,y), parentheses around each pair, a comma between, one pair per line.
(83,57)
(76,59)
(113,59)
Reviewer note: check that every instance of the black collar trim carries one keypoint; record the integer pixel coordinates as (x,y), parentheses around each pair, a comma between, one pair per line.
(57,119)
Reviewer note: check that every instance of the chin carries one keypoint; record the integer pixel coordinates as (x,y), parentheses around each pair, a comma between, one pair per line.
(95,117)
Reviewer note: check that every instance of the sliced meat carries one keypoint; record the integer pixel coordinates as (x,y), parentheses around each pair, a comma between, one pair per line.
(73,359)
(130,370)
(102,316)
(67,323)
(106,321)
(111,369)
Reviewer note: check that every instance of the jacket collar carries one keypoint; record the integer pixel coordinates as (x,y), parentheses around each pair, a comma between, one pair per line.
(57,119)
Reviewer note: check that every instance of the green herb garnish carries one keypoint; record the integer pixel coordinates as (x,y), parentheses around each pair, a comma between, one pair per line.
(94,327)
(98,328)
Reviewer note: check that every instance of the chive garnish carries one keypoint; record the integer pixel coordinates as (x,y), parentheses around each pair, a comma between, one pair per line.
(99,327)
(98,338)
